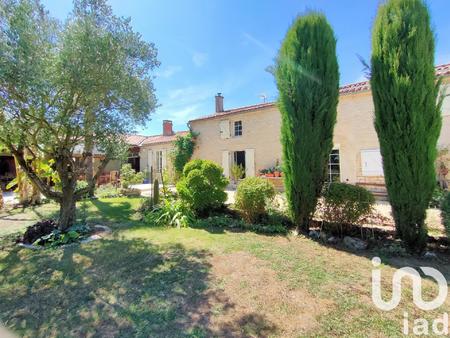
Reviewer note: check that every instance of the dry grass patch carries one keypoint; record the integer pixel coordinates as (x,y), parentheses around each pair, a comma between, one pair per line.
(255,288)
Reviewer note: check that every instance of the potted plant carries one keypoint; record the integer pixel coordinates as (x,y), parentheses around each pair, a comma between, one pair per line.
(237,172)
(263,172)
(277,171)
(270,172)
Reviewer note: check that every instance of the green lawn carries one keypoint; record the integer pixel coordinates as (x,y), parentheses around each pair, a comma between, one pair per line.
(155,282)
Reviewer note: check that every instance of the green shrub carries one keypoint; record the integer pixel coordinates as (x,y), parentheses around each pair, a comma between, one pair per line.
(445,210)
(129,176)
(169,213)
(438,197)
(202,186)
(107,191)
(252,196)
(228,222)
(346,204)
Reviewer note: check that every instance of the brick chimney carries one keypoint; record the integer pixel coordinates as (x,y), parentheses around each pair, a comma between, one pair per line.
(167,128)
(219,103)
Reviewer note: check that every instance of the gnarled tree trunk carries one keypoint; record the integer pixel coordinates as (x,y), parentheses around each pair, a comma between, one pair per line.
(67,209)
(88,149)
(67,201)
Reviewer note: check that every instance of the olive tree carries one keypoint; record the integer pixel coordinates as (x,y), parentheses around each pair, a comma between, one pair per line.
(60,82)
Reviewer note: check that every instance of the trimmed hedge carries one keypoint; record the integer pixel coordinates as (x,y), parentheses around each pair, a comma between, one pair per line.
(202,186)
(346,204)
(252,196)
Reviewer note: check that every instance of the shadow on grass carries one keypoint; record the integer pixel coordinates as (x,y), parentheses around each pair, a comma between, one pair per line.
(116,287)
(116,212)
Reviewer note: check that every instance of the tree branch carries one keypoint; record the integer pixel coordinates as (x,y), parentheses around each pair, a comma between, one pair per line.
(31,174)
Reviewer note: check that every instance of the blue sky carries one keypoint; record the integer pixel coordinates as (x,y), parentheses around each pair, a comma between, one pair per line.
(210,46)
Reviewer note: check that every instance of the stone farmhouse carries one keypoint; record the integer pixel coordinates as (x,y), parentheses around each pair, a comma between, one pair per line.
(250,136)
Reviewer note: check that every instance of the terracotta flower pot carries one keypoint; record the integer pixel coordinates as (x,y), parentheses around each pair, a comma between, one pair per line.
(269,175)
(277,174)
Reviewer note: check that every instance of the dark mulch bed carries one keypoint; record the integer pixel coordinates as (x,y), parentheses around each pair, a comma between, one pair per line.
(37,230)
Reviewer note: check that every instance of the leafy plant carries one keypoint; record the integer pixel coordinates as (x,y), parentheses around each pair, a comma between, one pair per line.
(237,172)
(57,238)
(307,77)
(82,185)
(219,221)
(345,204)
(183,150)
(129,176)
(407,112)
(168,213)
(252,197)
(202,186)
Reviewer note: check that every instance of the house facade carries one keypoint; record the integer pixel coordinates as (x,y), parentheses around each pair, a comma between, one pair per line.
(151,154)
(250,136)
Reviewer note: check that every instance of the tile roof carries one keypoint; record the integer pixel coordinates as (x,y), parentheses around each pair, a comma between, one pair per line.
(236,110)
(141,140)
(441,70)
(134,140)
(354,87)
(162,139)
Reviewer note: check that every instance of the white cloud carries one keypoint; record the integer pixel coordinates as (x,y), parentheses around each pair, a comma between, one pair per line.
(199,58)
(169,71)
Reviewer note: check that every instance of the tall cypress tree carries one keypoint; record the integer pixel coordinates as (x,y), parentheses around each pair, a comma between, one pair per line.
(307,76)
(407,112)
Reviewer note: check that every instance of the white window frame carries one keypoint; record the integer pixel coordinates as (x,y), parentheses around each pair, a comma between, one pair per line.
(237,126)
(159,161)
(330,174)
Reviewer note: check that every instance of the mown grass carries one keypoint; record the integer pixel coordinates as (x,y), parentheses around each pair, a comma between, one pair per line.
(115,211)
(158,282)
